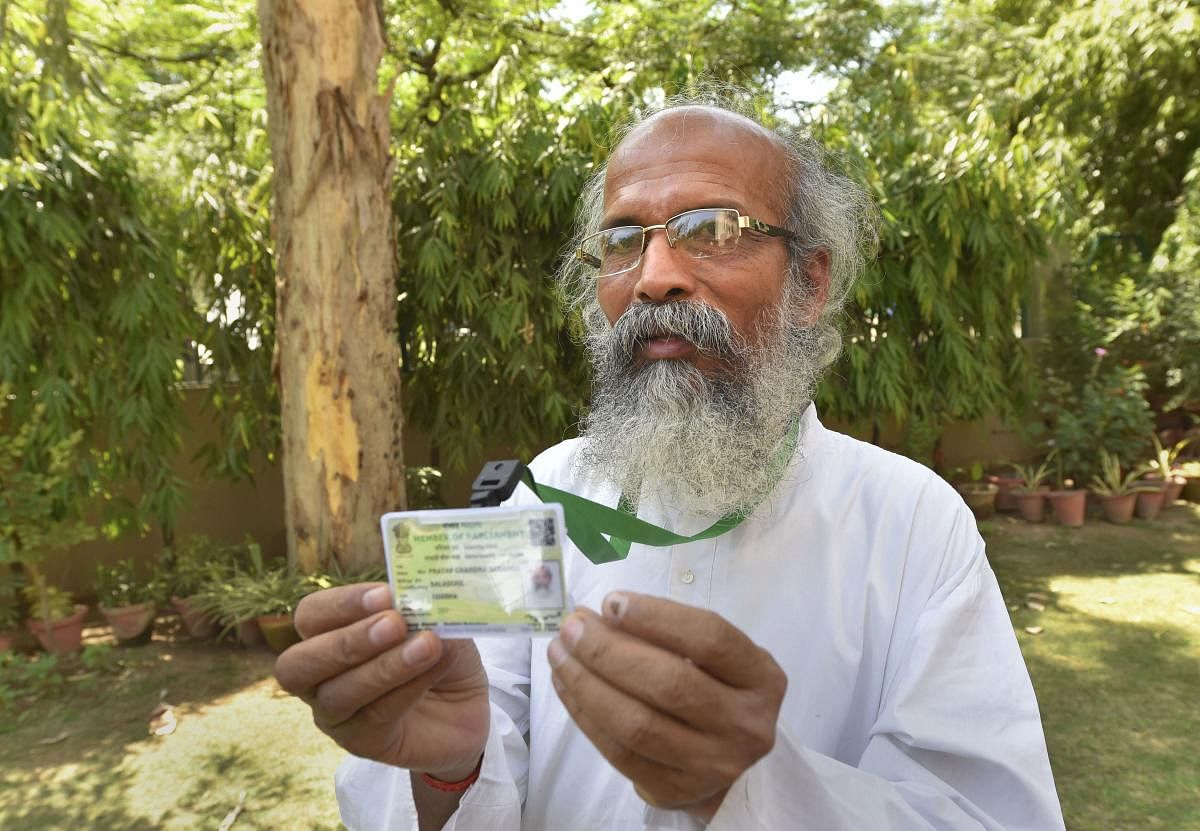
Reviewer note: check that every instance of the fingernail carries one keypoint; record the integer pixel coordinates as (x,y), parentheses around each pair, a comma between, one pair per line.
(418,650)
(377,599)
(571,630)
(616,604)
(556,653)
(384,631)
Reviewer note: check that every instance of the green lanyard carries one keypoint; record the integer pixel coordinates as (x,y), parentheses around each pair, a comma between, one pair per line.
(588,521)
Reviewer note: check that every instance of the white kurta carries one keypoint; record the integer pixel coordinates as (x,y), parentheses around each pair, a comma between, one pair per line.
(908,704)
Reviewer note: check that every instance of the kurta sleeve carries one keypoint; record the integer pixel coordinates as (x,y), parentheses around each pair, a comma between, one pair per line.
(957,742)
(377,797)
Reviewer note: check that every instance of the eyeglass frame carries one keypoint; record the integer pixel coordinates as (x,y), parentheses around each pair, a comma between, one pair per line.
(744,222)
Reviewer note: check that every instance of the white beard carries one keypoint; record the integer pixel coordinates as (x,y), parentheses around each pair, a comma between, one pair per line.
(700,442)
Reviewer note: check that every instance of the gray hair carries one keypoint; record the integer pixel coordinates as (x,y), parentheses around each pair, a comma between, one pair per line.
(828,213)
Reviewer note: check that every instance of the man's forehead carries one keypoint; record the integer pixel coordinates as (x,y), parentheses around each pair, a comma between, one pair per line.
(698,134)
(678,124)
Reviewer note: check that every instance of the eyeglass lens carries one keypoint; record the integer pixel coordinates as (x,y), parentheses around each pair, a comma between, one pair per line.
(699,234)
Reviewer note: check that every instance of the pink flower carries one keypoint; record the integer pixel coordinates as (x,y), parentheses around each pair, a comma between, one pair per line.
(1100,351)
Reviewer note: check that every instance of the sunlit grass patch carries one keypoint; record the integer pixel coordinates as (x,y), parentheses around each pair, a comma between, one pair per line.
(1116,663)
(236,733)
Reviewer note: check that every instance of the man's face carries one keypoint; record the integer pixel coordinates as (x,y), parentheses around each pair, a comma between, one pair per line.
(696,158)
(699,365)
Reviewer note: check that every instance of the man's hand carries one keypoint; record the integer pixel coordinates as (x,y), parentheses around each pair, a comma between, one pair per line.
(676,698)
(420,704)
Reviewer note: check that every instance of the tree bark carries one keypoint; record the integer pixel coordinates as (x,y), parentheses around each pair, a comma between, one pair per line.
(337,354)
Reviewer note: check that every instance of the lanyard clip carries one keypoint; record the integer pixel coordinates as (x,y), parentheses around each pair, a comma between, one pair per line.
(496,482)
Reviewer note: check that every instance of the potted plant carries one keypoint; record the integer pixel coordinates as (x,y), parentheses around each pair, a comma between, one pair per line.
(1190,471)
(274,597)
(979,495)
(190,565)
(1164,466)
(1149,499)
(57,621)
(127,602)
(1030,495)
(1068,503)
(1007,486)
(1103,403)
(10,612)
(223,596)
(267,595)
(41,505)
(1117,492)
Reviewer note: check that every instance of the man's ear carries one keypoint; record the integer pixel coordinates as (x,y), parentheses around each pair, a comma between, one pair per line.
(816,286)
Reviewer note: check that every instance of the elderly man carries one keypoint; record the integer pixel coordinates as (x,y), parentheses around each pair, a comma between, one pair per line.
(841,659)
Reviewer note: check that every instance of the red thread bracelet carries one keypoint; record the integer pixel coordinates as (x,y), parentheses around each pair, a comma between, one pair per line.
(453,787)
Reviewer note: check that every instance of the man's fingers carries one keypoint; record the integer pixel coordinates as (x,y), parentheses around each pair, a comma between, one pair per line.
(660,785)
(662,679)
(395,679)
(707,639)
(327,654)
(633,724)
(340,606)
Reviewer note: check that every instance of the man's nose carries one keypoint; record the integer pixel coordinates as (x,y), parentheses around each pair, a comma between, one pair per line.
(664,273)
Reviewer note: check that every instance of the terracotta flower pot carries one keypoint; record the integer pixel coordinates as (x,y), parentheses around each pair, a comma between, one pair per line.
(1149,503)
(197,624)
(278,631)
(1068,507)
(64,634)
(1118,509)
(132,625)
(1174,489)
(1031,505)
(1006,498)
(249,633)
(980,498)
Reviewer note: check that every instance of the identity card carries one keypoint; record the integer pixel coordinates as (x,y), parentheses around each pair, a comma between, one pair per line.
(478,571)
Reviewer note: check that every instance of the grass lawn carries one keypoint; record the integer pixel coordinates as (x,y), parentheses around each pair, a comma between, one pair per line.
(82,757)
(1116,664)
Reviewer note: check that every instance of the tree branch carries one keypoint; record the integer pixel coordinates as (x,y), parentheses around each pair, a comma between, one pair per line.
(218,50)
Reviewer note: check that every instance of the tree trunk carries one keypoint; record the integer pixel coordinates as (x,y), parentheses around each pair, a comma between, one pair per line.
(337,353)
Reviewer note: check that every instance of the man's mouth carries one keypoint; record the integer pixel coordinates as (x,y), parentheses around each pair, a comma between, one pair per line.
(667,346)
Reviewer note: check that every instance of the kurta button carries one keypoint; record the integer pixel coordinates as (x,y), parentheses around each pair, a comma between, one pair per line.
(687,576)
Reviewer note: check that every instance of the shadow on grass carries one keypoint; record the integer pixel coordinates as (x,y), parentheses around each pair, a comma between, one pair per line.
(96,794)
(1116,665)
(63,750)
(1117,705)
(1027,556)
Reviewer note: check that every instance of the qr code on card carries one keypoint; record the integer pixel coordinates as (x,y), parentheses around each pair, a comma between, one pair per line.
(541,532)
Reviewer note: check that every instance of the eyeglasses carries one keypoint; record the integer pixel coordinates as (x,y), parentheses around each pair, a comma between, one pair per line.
(700,233)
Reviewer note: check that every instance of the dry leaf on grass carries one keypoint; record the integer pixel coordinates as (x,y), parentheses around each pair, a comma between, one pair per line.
(1043,598)
(54,739)
(162,720)
(1037,607)
(1034,630)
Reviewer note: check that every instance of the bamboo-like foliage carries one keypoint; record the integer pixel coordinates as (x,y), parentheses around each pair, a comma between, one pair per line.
(94,313)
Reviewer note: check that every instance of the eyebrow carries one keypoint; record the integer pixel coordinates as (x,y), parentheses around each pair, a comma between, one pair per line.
(629,220)
(619,221)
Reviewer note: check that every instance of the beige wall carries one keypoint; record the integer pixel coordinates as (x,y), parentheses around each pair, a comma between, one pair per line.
(227,511)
